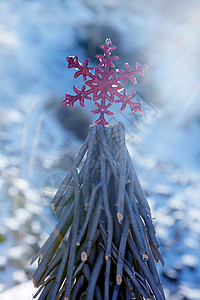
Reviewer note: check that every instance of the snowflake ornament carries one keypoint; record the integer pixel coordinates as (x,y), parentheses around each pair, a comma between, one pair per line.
(105,85)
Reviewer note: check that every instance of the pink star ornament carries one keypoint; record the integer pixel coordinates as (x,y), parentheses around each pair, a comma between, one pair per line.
(104,86)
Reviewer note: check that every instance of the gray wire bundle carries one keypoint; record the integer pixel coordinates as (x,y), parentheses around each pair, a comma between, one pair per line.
(104,245)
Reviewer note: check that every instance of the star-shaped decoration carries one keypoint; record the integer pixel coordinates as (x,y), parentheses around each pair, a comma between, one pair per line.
(105,84)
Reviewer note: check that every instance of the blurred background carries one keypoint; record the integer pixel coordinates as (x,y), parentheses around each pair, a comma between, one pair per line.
(39,138)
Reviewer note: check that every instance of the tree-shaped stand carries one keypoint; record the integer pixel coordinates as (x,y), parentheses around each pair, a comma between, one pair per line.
(104,245)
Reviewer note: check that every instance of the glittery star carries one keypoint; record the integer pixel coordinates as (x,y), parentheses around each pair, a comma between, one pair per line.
(105,84)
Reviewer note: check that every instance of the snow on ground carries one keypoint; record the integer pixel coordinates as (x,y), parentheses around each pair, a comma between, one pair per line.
(22,292)
(35,37)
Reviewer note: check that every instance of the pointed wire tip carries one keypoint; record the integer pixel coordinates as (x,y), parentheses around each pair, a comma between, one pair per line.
(120,217)
(53,205)
(84,256)
(34,281)
(119,279)
(107,256)
(145,256)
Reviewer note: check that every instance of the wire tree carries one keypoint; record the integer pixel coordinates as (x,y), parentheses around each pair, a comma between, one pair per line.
(104,245)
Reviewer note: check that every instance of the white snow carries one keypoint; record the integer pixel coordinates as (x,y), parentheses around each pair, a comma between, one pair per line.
(22,292)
